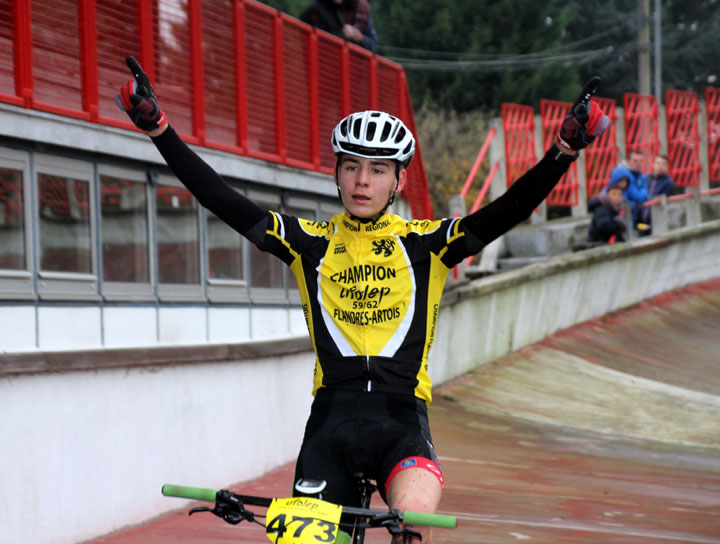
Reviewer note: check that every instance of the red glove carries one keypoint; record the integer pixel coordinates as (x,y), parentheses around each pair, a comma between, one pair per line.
(584,122)
(137,98)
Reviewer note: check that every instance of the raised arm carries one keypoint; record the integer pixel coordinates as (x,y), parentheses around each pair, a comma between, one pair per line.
(584,122)
(137,98)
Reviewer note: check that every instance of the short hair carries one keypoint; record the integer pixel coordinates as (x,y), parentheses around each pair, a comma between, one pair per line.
(615,186)
(635,152)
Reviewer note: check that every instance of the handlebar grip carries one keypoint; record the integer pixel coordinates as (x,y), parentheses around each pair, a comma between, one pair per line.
(183,491)
(429,520)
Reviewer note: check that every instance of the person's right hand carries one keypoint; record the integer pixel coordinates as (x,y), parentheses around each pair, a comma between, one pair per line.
(584,122)
(137,98)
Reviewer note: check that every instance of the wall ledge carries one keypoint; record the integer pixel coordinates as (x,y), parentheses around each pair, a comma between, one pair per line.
(148,357)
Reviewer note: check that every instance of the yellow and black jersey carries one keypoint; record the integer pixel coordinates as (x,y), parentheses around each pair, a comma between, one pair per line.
(370,291)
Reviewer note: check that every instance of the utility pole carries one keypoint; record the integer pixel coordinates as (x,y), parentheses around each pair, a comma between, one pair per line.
(644,47)
(657,42)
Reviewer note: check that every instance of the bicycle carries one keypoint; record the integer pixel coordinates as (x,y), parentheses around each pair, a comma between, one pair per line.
(307,519)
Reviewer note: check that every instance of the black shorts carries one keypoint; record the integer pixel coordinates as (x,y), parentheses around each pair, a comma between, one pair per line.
(357,431)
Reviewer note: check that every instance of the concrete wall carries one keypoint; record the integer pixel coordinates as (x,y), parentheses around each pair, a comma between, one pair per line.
(511,310)
(89,437)
(86,452)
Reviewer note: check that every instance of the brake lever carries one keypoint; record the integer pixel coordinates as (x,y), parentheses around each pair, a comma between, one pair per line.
(229,509)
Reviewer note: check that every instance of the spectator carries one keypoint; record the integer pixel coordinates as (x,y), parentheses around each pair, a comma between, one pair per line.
(325,15)
(358,28)
(637,191)
(607,224)
(350,20)
(370,38)
(659,183)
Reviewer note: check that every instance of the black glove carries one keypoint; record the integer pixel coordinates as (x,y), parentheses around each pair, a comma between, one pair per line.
(584,122)
(137,98)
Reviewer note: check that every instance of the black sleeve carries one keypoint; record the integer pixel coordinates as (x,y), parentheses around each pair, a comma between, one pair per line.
(516,204)
(206,185)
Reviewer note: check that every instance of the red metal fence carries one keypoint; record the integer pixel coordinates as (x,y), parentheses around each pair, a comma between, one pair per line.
(233,75)
(641,126)
(601,156)
(519,128)
(683,137)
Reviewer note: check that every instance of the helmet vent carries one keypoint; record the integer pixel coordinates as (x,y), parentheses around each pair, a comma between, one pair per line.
(371,127)
(357,128)
(400,135)
(385,132)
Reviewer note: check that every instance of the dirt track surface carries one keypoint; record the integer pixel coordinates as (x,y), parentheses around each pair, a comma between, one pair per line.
(608,432)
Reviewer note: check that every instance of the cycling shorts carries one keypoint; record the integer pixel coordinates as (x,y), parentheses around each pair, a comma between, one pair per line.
(373,433)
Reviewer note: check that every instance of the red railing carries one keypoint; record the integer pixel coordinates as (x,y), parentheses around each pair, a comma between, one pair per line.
(552,114)
(234,75)
(601,156)
(683,137)
(519,128)
(641,126)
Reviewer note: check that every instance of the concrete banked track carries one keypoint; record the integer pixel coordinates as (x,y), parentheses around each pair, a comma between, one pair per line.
(608,432)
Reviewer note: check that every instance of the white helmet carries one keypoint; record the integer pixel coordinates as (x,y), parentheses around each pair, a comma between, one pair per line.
(374,134)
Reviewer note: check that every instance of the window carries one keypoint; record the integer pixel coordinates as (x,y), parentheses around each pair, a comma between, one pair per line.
(227,258)
(16,281)
(225,250)
(13,247)
(125,234)
(64,227)
(178,249)
(65,237)
(124,212)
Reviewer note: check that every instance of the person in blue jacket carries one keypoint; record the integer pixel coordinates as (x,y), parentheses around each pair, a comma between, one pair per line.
(637,191)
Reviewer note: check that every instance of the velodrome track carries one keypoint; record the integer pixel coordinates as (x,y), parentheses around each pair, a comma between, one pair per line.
(607,432)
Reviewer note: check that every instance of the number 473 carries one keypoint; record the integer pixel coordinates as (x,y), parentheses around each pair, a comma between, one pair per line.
(318,530)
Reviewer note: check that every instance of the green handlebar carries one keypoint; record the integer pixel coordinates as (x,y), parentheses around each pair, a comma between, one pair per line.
(196,493)
(429,520)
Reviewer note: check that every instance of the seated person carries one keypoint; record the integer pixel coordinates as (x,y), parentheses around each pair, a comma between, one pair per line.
(635,192)
(607,225)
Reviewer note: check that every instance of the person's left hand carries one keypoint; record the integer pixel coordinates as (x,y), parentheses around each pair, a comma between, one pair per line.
(584,122)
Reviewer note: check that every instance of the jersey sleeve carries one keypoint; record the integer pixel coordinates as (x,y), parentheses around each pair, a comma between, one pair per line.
(287,236)
(514,206)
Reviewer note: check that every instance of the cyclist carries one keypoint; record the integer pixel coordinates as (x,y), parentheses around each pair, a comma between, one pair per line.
(370,284)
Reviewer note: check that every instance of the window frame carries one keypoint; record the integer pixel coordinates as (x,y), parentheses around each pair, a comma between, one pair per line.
(133,291)
(177,292)
(227,290)
(20,284)
(54,285)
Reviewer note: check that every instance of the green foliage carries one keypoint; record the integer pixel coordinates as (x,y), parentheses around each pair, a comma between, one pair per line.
(477,29)
(449,142)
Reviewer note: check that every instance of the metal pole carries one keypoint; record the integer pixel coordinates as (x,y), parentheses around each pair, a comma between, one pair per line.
(658,52)
(644,47)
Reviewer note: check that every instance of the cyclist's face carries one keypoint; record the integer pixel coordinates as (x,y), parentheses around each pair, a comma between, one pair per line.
(366,184)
